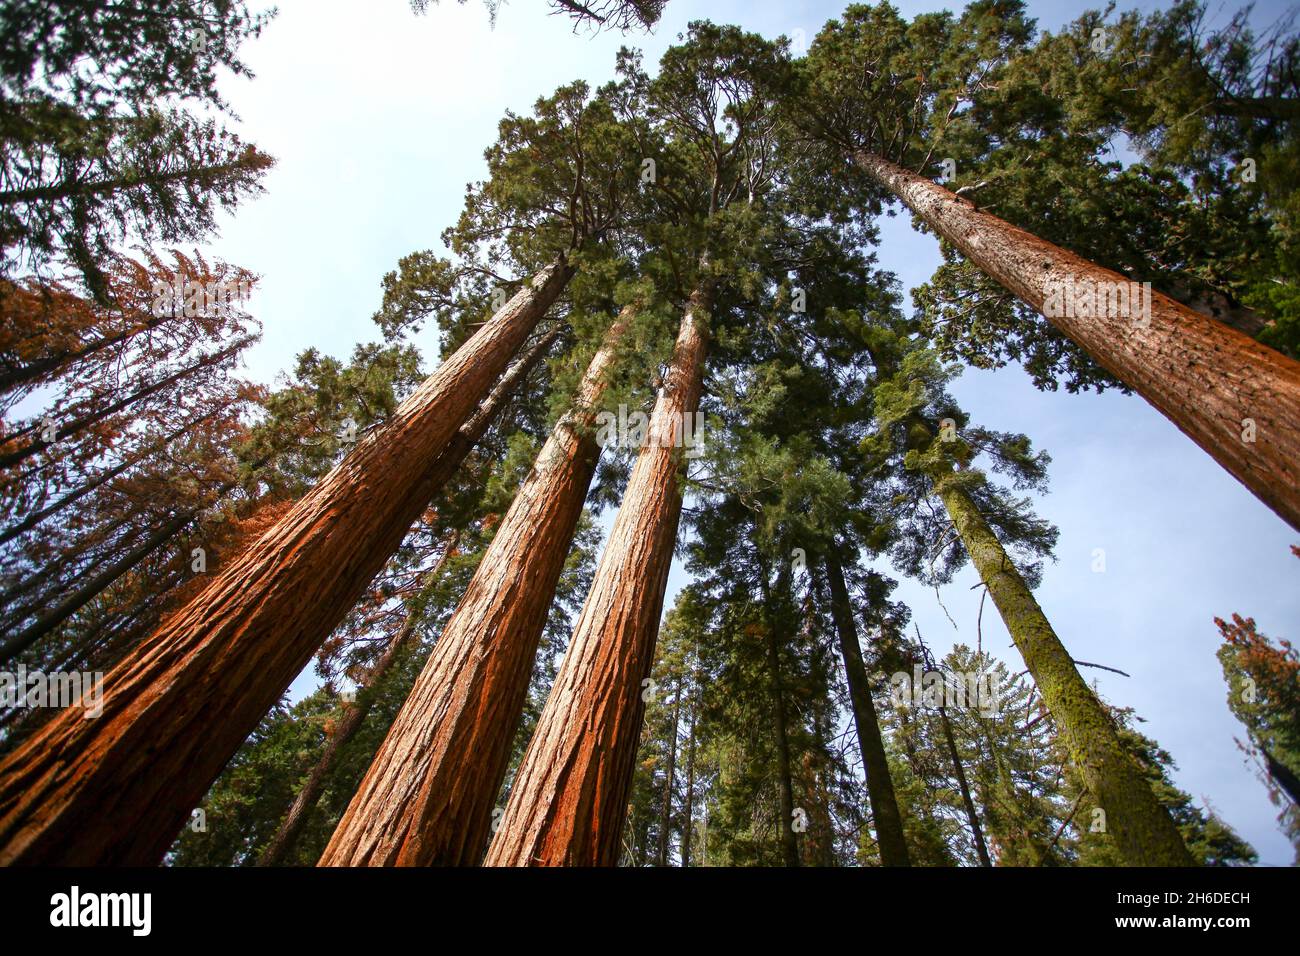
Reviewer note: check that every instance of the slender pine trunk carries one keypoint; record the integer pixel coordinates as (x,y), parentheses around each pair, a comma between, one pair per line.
(569,796)
(785,788)
(1237,399)
(666,808)
(83,189)
(880,785)
(44,624)
(13,377)
(428,796)
(51,571)
(688,829)
(75,495)
(972,817)
(18,455)
(116,790)
(1282,775)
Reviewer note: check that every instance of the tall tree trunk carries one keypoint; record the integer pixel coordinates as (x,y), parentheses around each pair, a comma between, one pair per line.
(785,786)
(688,829)
(9,459)
(666,808)
(429,793)
(569,796)
(286,837)
(972,817)
(1207,378)
(880,785)
(117,789)
(1144,832)
(457,449)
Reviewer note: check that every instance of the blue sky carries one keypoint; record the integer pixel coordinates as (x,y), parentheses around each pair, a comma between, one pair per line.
(378,120)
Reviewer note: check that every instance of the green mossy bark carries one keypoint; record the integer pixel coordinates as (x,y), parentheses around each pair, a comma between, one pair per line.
(1144,832)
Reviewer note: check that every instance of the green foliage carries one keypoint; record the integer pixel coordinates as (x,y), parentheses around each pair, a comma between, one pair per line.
(324,409)
(89,156)
(1210,841)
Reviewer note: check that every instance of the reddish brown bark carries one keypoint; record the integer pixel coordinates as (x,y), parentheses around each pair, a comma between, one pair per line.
(428,795)
(570,793)
(115,790)
(1205,377)
(355,714)
(466,437)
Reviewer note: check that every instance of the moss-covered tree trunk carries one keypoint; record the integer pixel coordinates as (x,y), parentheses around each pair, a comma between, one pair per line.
(880,785)
(570,794)
(1237,399)
(1143,830)
(428,796)
(116,790)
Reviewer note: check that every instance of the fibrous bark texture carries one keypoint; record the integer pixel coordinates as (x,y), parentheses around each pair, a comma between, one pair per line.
(570,793)
(428,795)
(1237,399)
(116,789)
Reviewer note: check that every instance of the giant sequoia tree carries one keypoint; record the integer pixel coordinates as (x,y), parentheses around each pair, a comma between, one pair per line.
(893,97)
(712,102)
(265,612)
(700,241)
(463,711)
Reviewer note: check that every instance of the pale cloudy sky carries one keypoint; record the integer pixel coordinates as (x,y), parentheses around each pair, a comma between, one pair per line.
(378,120)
